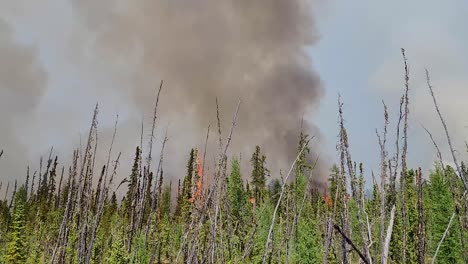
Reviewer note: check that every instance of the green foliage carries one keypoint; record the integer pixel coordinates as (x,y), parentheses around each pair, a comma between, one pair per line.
(259,174)
(309,248)
(411,216)
(441,206)
(118,252)
(29,230)
(165,208)
(16,247)
(132,183)
(236,194)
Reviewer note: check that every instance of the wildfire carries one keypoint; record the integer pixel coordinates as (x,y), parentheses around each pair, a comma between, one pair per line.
(199,186)
(252,200)
(200,177)
(328,200)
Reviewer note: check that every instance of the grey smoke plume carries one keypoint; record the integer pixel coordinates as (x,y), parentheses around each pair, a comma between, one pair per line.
(255,51)
(118,51)
(23,82)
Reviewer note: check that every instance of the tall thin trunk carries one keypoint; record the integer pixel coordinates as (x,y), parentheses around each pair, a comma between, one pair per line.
(421,234)
(403,156)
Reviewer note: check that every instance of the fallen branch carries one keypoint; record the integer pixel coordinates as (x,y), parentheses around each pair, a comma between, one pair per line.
(350,242)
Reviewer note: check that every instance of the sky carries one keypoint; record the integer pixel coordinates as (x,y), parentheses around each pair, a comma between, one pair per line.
(359,57)
(357,54)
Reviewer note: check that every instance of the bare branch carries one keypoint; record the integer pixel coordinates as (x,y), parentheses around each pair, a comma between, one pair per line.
(267,244)
(449,141)
(350,242)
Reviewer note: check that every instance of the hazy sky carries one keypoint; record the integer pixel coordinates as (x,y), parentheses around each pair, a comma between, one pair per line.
(357,54)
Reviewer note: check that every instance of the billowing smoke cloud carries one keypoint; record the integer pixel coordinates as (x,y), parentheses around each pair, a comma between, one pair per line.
(23,82)
(255,51)
(117,52)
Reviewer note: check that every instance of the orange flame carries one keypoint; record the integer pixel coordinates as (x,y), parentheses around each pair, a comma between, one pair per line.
(252,200)
(198,192)
(328,200)
(200,177)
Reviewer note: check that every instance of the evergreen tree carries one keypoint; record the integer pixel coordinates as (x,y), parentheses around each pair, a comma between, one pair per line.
(259,174)
(441,206)
(165,207)
(118,252)
(236,193)
(133,183)
(183,199)
(411,215)
(274,189)
(16,248)
(309,248)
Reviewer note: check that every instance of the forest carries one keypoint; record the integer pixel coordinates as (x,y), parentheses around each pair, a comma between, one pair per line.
(73,213)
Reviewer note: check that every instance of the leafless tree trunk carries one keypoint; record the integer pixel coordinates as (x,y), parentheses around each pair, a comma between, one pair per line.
(403,156)
(383,178)
(343,148)
(386,245)
(273,219)
(64,229)
(449,141)
(443,237)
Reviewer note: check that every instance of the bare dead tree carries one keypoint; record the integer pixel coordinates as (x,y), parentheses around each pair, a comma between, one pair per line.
(31,193)
(393,176)
(273,219)
(156,191)
(201,215)
(102,194)
(141,205)
(342,182)
(449,140)
(59,189)
(221,176)
(85,159)
(198,215)
(383,176)
(330,223)
(403,156)
(14,194)
(97,219)
(386,246)
(439,153)
(85,185)
(460,172)
(62,238)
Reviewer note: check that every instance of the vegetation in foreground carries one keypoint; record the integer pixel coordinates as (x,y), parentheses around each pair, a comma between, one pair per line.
(72,214)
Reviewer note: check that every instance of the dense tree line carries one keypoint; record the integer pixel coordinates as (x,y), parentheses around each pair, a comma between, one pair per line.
(73,215)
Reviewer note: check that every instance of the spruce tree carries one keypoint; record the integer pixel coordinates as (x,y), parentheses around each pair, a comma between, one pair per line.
(165,207)
(133,183)
(441,207)
(411,215)
(16,247)
(236,193)
(118,252)
(259,173)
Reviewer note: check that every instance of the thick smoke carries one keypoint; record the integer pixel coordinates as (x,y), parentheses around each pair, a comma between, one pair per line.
(255,51)
(23,82)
